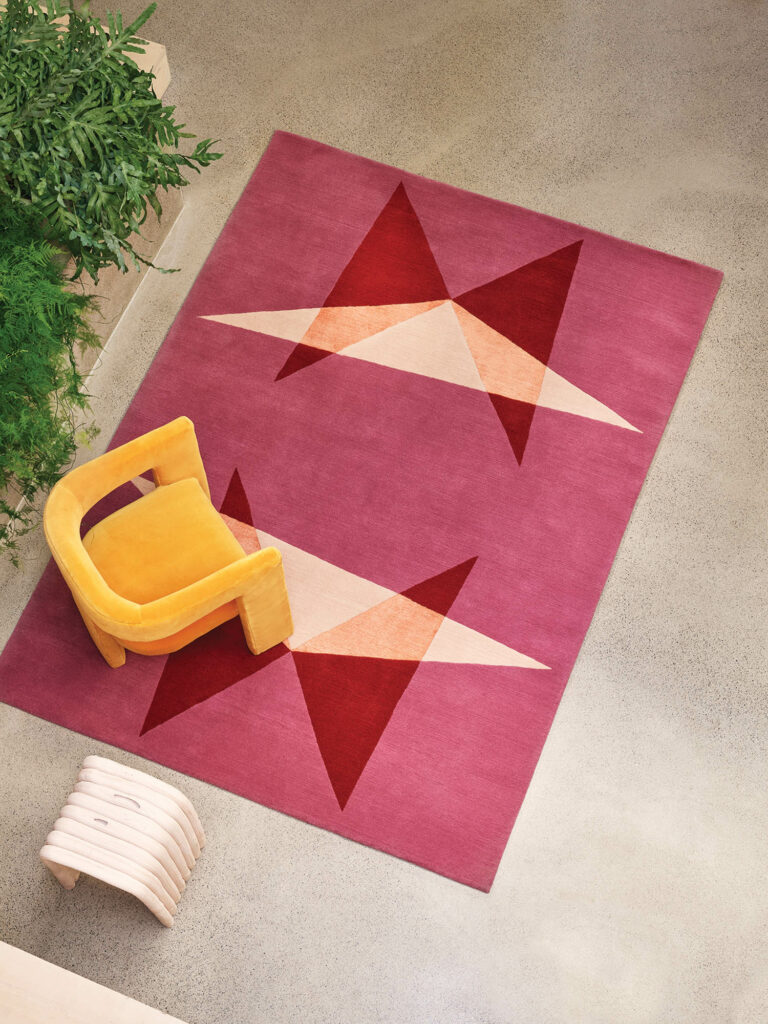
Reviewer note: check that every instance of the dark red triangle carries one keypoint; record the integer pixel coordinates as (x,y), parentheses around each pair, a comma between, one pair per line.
(526,304)
(235,504)
(218,659)
(439,592)
(301,357)
(516,418)
(208,665)
(350,700)
(392,264)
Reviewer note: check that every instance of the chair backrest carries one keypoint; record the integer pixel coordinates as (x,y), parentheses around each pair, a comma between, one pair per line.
(171,452)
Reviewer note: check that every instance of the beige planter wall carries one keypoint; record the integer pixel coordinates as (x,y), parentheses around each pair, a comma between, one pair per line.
(115,290)
(155,60)
(35,992)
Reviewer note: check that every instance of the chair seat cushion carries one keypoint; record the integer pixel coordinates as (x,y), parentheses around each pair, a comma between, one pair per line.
(162,542)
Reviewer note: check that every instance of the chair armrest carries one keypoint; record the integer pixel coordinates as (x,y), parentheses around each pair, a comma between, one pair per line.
(193,602)
(61,523)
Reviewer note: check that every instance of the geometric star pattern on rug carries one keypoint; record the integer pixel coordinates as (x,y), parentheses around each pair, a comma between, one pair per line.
(344,454)
(356,647)
(390,306)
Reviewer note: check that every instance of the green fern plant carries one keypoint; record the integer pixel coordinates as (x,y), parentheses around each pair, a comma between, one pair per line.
(83,140)
(42,398)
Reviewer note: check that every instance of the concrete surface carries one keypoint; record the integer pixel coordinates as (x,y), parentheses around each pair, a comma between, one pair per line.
(633,888)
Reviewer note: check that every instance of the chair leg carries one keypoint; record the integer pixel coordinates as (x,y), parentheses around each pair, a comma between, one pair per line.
(111,650)
(265,612)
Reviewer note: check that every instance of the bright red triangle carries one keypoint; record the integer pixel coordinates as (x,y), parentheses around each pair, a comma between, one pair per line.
(526,304)
(235,504)
(210,664)
(350,700)
(439,592)
(393,263)
(516,418)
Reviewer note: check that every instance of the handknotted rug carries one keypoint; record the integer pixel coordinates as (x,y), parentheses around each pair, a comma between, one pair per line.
(441,409)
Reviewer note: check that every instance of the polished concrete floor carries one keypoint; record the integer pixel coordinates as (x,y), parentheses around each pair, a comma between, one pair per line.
(633,888)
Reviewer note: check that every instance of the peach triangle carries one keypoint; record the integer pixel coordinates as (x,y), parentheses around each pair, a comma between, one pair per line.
(398,628)
(460,645)
(322,594)
(336,327)
(291,324)
(142,484)
(246,535)
(508,370)
(559,394)
(431,344)
(504,368)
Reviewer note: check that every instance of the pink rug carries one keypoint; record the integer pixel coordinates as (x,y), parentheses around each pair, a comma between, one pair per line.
(441,408)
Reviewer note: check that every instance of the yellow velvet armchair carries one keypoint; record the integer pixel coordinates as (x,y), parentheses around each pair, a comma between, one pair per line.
(164,569)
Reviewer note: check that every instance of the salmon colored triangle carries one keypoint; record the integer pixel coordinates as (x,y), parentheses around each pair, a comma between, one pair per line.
(396,628)
(246,536)
(336,327)
(504,368)
(400,627)
(526,304)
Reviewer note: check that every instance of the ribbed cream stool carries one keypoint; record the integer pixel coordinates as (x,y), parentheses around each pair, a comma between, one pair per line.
(131,831)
